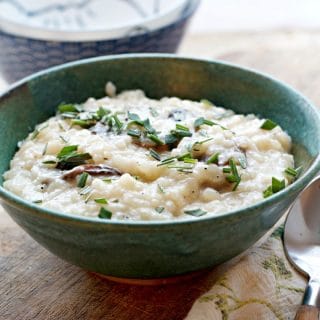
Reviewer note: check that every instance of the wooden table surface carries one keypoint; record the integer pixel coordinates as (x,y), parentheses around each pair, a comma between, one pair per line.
(34,284)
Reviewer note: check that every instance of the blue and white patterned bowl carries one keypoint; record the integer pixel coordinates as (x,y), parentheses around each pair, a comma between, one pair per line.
(29,47)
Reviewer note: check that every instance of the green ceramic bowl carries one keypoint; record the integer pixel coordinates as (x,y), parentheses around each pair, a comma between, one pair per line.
(155,249)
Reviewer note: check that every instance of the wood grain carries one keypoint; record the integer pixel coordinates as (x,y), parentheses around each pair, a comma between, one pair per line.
(34,284)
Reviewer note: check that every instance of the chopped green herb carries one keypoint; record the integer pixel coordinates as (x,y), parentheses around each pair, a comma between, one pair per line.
(170,139)
(134,117)
(62,108)
(83,123)
(268,125)
(49,162)
(181,133)
(160,188)
(105,213)
(201,121)
(45,149)
(37,201)
(276,186)
(34,134)
(63,139)
(192,147)
(214,158)
(83,180)
(234,176)
(134,133)
(166,161)
(107,180)
(68,157)
(195,212)
(268,192)
(66,151)
(143,123)
(159,209)
(155,139)
(101,200)
(184,156)
(61,126)
(155,155)
(293,172)
(189,160)
(181,127)
(102,112)
(206,102)
(118,123)
(226,170)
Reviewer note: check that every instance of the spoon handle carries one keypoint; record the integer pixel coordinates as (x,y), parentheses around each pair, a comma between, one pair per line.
(307,313)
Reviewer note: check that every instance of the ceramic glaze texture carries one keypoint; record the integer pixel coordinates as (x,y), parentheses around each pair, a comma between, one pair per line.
(156,249)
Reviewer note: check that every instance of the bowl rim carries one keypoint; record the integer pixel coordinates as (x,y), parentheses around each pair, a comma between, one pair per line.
(18,202)
(35,33)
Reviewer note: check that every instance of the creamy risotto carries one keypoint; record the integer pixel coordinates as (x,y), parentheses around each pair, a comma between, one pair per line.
(130,157)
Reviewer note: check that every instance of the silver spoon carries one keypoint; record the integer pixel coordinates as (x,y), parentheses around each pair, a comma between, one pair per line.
(302,246)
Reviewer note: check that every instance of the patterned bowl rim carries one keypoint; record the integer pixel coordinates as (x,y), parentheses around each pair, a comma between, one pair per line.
(35,33)
(27,206)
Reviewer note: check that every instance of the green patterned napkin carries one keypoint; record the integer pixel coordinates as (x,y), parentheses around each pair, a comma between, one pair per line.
(262,285)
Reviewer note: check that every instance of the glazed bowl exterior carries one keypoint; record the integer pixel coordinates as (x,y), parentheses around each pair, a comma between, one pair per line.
(145,250)
(21,56)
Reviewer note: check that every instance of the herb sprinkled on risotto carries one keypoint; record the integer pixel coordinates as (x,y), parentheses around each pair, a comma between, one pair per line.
(129,157)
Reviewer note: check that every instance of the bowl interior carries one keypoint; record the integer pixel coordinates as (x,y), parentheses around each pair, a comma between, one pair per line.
(35,99)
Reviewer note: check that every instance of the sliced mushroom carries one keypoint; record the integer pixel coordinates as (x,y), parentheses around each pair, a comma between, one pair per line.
(94,170)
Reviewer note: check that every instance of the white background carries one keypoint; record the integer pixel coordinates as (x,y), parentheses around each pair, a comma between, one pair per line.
(255,15)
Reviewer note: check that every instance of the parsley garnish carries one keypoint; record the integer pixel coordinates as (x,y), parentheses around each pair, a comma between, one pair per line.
(234,176)
(181,127)
(160,188)
(276,186)
(102,112)
(268,125)
(49,162)
(201,121)
(83,179)
(214,158)
(143,123)
(206,102)
(74,108)
(293,172)
(134,133)
(101,200)
(104,213)
(175,163)
(117,122)
(36,132)
(68,157)
(195,212)
(155,139)
(87,123)
(159,209)
(155,155)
